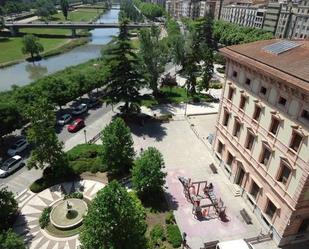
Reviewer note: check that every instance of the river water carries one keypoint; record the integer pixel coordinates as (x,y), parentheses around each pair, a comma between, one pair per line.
(23,73)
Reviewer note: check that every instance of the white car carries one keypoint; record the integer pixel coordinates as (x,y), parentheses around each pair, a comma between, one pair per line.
(11,165)
(80,109)
(234,244)
(66,118)
(18,147)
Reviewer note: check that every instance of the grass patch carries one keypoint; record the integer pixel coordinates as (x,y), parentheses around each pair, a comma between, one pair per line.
(175,95)
(10,48)
(86,157)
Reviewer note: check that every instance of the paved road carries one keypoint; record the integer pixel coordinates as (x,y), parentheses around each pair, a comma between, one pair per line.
(21,179)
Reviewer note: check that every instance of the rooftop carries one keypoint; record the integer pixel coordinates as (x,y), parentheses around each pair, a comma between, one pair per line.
(291,64)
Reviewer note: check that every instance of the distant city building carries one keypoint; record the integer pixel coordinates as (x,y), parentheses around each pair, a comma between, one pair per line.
(244,15)
(262,132)
(271,17)
(293,21)
(187,8)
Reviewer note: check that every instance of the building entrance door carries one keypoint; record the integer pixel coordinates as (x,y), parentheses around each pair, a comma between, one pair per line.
(240,176)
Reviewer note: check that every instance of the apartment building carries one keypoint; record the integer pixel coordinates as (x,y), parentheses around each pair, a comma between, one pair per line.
(262,133)
(293,21)
(244,15)
(187,8)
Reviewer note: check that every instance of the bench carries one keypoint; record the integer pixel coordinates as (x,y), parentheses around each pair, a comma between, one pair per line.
(246,216)
(213,168)
(210,245)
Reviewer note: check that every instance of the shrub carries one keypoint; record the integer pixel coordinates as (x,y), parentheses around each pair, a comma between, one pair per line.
(76,195)
(157,233)
(85,157)
(215,86)
(174,235)
(84,151)
(44,219)
(221,69)
(170,219)
(38,186)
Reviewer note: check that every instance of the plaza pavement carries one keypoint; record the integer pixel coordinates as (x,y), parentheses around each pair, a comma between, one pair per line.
(31,206)
(185,154)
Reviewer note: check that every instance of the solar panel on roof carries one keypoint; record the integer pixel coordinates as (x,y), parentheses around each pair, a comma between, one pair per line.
(280,47)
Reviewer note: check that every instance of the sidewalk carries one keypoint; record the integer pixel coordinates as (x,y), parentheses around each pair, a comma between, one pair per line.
(182,109)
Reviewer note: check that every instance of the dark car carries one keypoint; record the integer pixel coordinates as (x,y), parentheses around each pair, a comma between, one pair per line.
(76,125)
(93,102)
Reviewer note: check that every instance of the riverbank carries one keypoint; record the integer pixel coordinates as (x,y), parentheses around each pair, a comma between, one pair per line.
(58,42)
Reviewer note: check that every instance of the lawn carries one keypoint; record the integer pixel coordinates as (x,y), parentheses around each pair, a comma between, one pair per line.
(174,95)
(10,49)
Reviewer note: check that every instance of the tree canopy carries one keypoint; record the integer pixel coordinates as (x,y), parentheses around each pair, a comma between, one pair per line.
(230,34)
(147,175)
(10,240)
(8,207)
(123,79)
(114,220)
(65,8)
(45,8)
(47,151)
(31,45)
(117,151)
(154,56)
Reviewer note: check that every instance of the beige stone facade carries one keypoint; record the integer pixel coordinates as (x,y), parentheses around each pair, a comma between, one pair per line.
(262,135)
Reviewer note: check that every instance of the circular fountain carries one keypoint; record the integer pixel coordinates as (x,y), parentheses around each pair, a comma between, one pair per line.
(68,214)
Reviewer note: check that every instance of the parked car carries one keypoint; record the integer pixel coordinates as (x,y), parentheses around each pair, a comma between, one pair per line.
(233,244)
(10,165)
(80,109)
(18,147)
(93,102)
(64,119)
(76,125)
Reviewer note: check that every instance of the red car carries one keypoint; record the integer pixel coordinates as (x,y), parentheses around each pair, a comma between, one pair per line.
(76,125)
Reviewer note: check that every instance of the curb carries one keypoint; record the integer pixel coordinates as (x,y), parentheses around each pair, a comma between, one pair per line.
(201,114)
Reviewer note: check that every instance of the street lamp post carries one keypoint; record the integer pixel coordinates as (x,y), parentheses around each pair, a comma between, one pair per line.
(85,133)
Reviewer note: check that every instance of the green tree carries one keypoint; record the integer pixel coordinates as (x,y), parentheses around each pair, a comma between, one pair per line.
(31,46)
(8,207)
(45,8)
(10,240)
(123,78)
(114,220)
(153,58)
(65,8)
(147,176)
(47,151)
(10,118)
(117,150)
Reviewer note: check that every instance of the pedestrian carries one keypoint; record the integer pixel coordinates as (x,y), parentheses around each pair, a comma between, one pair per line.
(184,240)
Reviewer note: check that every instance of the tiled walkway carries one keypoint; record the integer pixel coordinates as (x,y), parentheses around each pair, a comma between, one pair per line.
(32,206)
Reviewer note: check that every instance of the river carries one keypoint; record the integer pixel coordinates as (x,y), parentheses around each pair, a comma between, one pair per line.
(23,73)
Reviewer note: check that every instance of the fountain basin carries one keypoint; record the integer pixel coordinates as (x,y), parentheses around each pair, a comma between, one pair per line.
(63,218)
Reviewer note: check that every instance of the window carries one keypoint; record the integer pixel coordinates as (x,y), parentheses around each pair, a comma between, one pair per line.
(270,209)
(234,74)
(274,126)
(226,118)
(263,90)
(282,101)
(237,127)
(284,174)
(296,141)
(265,156)
(242,102)
(257,113)
(249,141)
(231,93)
(220,147)
(230,159)
(248,82)
(255,189)
(305,115)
